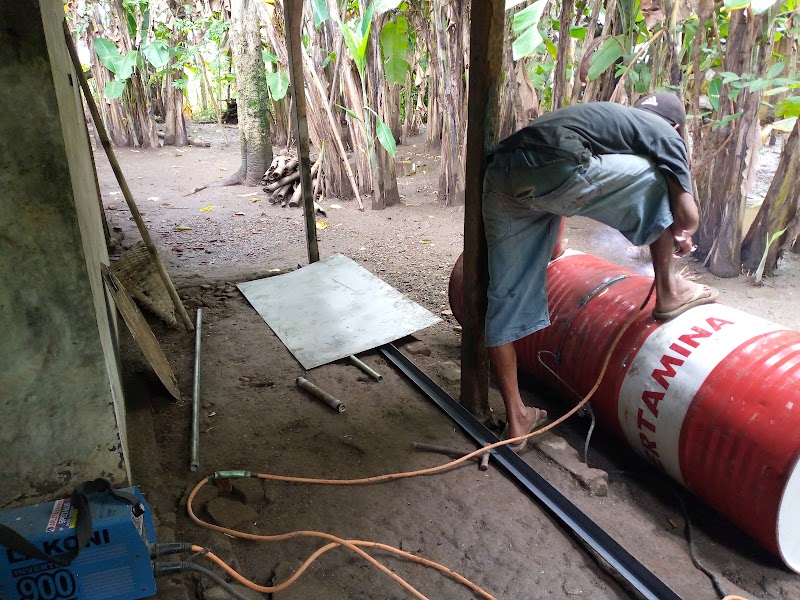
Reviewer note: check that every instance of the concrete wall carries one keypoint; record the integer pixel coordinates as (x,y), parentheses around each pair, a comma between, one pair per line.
(61,408)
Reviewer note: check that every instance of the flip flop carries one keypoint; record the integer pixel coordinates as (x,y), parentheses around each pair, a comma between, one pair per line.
(537,422)
(697,299)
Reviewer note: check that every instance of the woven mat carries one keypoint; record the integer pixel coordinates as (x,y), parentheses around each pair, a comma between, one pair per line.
(137,272)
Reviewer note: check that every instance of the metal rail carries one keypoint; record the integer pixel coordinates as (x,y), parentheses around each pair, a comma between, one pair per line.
(634,572)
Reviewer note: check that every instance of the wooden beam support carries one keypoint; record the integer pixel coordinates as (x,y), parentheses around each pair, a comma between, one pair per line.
(293,14)
(483,110)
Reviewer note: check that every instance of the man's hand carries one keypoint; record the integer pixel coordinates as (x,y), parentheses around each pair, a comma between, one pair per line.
(685,214)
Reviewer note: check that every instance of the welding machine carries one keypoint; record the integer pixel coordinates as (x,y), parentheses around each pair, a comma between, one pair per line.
(93,546)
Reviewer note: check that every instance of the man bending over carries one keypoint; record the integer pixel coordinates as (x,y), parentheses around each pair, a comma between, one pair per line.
(624,166)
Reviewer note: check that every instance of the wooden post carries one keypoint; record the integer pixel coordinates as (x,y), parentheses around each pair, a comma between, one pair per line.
(293,14)
(485,69)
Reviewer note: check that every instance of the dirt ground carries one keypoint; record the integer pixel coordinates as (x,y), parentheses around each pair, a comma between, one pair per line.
(253,416)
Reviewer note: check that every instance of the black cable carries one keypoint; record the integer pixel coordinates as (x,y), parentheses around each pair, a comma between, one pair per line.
(588,435)
(718,587)
(169,568)
(170,548)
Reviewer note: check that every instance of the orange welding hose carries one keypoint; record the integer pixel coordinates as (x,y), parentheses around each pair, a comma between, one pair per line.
(350,544)
(353,545)
(428,563)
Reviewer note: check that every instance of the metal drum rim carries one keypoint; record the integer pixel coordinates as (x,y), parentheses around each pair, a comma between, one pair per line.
(788,522)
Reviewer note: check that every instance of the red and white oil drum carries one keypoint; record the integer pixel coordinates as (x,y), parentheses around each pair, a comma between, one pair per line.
(711,397)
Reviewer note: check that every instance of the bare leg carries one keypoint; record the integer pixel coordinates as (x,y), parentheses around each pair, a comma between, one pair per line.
(671,292)
(520,418)
(560,245)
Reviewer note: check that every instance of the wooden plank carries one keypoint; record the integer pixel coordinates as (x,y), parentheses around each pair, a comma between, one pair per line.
(293,14)
(483,110)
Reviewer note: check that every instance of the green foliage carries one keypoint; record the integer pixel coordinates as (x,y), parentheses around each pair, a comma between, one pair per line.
(157,54)
(714,91)
(610,52)
(723,122)
(114,89)
(576,32)
(788,107)
(762,265)
(385,136)
(350,112)
(525,25)
(384,133)
(108,54)
(356,38)
(758,6)
(319,10)
(121,66)
(382,6)
(394,44)
(278,84)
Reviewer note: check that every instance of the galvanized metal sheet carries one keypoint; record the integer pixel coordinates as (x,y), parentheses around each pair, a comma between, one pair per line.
(334,308)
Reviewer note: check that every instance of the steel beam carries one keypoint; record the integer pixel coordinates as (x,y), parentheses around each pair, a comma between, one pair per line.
(570,516)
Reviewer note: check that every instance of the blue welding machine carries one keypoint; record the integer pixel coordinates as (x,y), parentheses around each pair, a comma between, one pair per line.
(114,564)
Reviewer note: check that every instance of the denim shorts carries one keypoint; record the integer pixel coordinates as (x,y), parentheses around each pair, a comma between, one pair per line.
(525,194)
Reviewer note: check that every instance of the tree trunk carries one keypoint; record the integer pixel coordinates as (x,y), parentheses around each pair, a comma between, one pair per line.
(355,102)
(281,124)
(111,110)
(282,134)
(580,79)
(432,36)
(507,121)
(451,180)
(721,184)
(138,112)
(384,183)
(252,98)
(561,92)
(174,123)
(602,87)
(778,210)
(392,111)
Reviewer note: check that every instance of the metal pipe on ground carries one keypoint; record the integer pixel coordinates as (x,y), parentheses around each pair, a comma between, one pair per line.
(365,367)
(194,463)
(454,452)
(319,393)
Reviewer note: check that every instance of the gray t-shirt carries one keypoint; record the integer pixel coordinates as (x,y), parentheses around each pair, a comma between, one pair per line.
(581,131)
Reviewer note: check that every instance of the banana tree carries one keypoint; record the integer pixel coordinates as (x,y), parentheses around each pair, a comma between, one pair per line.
(732,143)
(374,96)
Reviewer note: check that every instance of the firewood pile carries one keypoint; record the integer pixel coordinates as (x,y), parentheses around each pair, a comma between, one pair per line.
(282,181)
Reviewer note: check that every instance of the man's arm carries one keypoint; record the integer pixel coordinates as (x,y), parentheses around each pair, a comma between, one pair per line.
(685,215)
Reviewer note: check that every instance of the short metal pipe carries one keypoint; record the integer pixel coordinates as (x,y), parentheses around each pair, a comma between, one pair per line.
(194,464)
(454,452)
(321,394)
(366,368)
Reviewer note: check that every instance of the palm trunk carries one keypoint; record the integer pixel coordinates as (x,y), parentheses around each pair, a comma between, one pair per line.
(451,180)
(252,99)
(384,182)
(719,238)
(778,210)
(435,75)
(139,119)
(561,90)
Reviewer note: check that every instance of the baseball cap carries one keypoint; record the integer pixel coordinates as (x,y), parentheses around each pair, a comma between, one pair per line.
(667,106)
